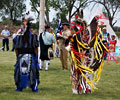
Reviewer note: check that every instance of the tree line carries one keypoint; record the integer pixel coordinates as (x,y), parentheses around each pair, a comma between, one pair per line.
(14,9)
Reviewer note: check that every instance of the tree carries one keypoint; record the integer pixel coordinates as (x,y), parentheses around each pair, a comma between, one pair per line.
(35,5)
(64,7)
(111,9)
(1,4)
(68,7)
(118,2)
(13,8)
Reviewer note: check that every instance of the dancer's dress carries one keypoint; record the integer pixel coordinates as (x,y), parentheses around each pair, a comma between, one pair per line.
(87,56)
(26,67)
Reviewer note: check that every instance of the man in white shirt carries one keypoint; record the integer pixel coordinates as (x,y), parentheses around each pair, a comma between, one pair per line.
(6,33)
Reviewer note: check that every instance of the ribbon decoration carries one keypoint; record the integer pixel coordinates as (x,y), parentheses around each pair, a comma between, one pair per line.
(79,58)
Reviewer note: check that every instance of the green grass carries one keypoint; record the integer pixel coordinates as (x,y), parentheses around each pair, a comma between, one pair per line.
(55,84)
(117,33)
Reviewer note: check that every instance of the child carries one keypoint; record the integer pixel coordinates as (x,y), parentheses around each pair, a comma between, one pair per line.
(112,46)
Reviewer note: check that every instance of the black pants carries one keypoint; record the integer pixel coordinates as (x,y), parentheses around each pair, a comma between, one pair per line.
(106,44)
(6,42)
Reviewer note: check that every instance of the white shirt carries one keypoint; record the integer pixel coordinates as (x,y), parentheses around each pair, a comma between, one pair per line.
(14,35)
(48,38)
(5,32)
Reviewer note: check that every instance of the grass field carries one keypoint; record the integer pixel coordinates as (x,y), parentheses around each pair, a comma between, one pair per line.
(117,33)
(55,84)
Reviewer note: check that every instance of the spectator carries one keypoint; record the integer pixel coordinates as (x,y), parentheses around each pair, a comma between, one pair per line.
(106,37)
(13,36)
(112,46)
(6,33)
(21,30)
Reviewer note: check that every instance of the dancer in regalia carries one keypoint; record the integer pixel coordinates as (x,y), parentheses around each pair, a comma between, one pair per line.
(87,54)
(46,40)
(26,67)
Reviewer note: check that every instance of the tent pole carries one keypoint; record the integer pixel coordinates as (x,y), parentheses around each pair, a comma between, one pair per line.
(41,21)
(41,16)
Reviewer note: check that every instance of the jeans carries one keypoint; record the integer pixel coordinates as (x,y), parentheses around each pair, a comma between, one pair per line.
(6,42)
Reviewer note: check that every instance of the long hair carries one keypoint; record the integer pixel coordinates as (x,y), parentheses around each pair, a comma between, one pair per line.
(25,37)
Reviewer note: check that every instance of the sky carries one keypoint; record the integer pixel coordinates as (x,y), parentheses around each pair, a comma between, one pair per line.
(87,12)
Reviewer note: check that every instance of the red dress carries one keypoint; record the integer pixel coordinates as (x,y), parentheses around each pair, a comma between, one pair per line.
(112,45)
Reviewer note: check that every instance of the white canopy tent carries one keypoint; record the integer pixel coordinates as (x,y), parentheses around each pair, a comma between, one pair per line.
(104,21)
